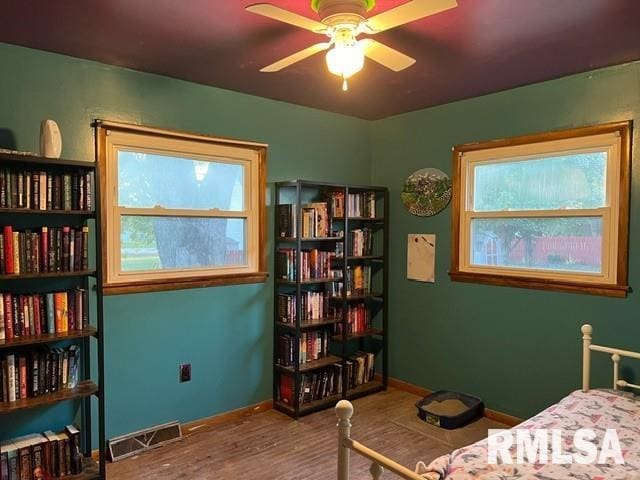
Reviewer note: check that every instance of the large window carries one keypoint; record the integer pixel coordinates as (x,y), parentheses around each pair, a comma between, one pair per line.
(179,210)
(544,211)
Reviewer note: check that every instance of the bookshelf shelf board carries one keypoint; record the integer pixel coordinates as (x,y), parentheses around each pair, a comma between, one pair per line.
(366,333)
(351,298)
(365,389)
(321,362)
(310,324)
(43,162)
(328,185)
(84,389)
(310,239)
(79,273)
(30,211)
(365,257)
(309,407)
(360,219)
(48,338)
(309,281)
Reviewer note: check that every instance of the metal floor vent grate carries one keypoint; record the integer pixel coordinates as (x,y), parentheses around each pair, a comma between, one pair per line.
(137,442)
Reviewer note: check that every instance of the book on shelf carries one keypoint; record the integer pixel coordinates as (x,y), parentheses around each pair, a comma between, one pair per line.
(41,455)
(311,346)
(38,372)
(45,190)
(316,264)
(358,281)
(28,315)
(358,319)
(336,203)
(314,386)
(286,226)
(361,242)
(51,249)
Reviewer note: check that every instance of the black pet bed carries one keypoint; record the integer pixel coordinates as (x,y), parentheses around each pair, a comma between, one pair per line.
(449,409)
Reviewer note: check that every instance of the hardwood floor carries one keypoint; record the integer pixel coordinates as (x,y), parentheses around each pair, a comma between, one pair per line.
(270,446)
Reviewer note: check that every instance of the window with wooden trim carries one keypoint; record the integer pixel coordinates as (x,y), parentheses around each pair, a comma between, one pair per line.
(547,211)
(179,210)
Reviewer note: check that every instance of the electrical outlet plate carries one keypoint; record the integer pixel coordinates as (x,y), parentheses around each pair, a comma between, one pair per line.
(185,372)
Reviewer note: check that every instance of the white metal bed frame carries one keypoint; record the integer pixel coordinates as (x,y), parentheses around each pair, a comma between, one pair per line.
(344,412)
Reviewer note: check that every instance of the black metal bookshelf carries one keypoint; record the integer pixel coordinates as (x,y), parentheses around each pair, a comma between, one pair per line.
(342,344)
(91,337)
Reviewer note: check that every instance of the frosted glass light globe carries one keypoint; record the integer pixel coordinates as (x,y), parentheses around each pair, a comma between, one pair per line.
(345,60)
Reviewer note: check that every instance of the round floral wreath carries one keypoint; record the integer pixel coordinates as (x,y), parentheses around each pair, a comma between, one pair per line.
(426,192)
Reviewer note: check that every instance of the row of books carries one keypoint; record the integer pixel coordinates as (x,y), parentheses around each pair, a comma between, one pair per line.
(360,368)
(316,264)
(40,190)
(327,381)
(41,456)
(315,385)
(358,320)
(52,249)
(39,372)
(361,205)
(312,346)
(358,282)
(316,222)
(361,242)
(357,204)
(313,306)
(40,313)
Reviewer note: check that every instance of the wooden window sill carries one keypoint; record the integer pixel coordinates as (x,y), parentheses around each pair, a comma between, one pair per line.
(606,290)
(183,283)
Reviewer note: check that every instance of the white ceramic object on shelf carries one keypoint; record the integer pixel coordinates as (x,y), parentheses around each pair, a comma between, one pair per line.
(50,139)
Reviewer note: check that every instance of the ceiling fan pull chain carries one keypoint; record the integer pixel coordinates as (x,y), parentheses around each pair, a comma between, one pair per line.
(345,87)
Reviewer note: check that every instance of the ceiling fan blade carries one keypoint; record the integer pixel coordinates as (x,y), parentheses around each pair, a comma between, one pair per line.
(406,13)
(386,56)
(282,15)
(296,57)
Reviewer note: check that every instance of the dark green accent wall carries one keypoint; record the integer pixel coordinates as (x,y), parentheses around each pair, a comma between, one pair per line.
(518,349)
(225,332)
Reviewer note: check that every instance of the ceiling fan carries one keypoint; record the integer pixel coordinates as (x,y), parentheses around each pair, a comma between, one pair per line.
(342,21)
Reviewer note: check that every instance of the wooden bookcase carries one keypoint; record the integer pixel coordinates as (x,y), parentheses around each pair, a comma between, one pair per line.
(90,338)
(293,375)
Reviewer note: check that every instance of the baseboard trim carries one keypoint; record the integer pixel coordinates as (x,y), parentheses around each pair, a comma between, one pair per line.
(495,415)
(225,417)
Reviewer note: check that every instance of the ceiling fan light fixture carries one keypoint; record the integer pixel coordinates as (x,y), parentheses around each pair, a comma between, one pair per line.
(345,60)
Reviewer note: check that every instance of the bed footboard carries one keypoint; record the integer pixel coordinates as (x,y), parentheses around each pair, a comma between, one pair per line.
(344,412)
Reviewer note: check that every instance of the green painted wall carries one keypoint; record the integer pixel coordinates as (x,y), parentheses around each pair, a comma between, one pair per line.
(518,349)
(225,332)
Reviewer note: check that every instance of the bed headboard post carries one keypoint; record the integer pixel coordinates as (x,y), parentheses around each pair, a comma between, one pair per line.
(344,412)
(587,330)
(615,358)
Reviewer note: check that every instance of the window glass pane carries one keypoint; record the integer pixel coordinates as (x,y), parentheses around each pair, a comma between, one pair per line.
(146,180)
(164,243)
(571,181)
(565,244)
